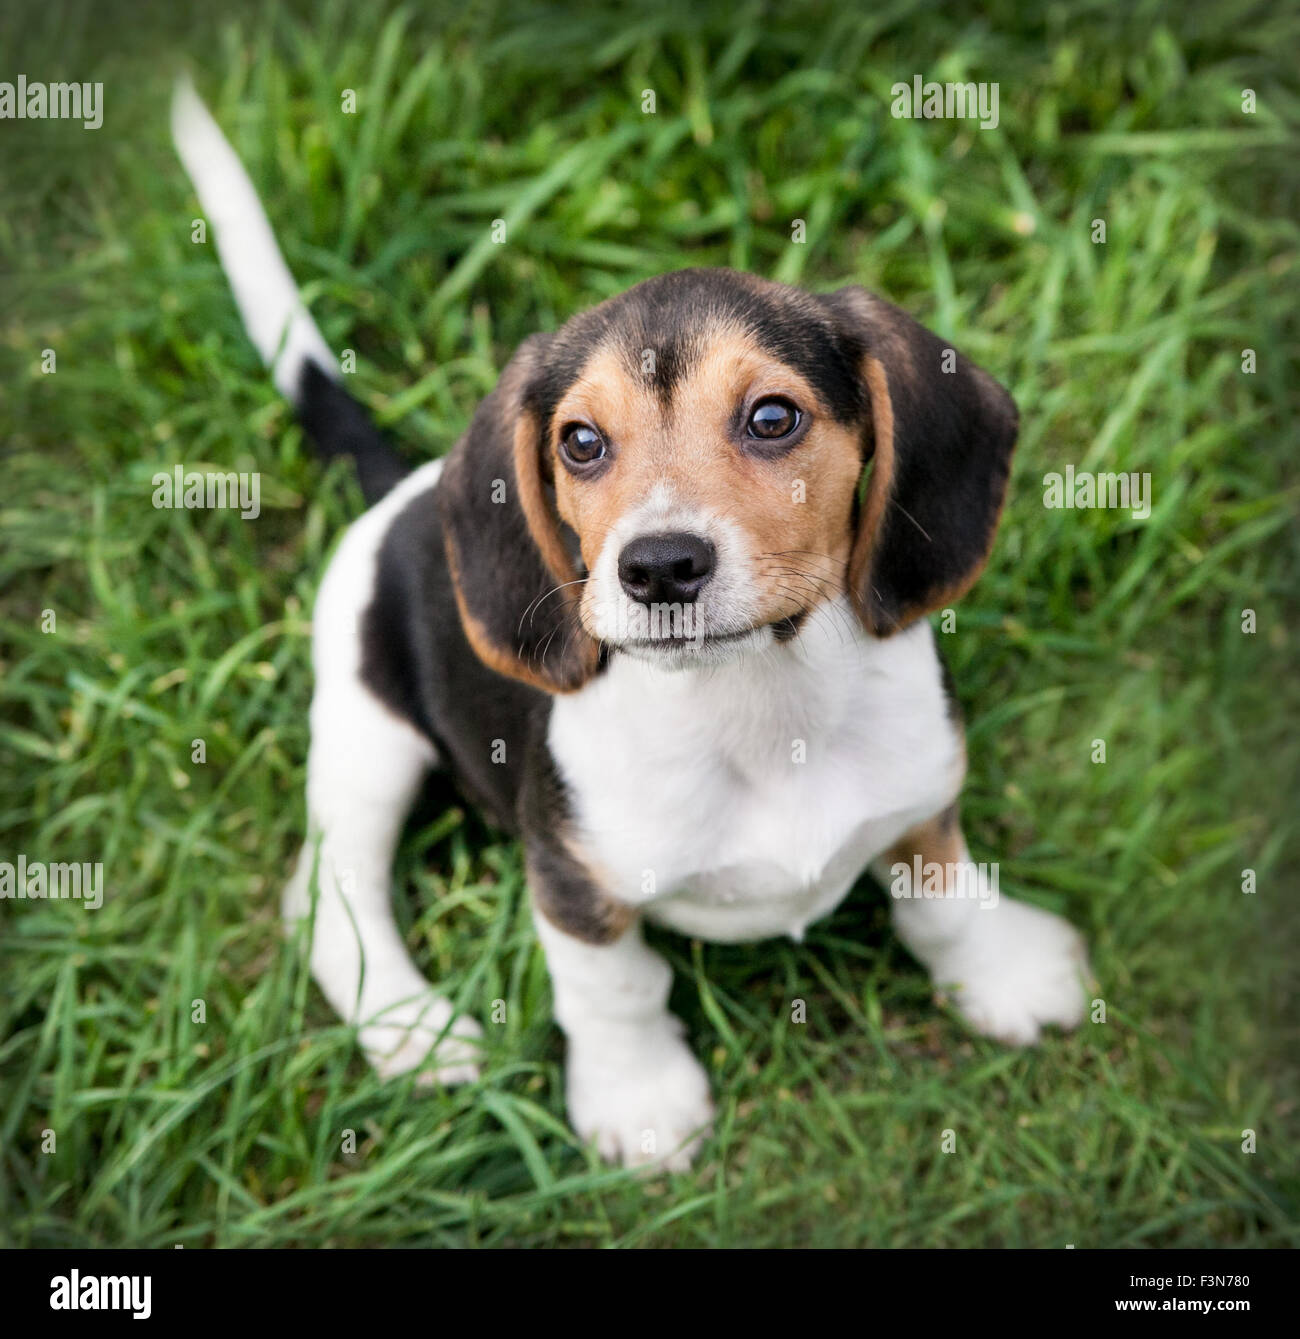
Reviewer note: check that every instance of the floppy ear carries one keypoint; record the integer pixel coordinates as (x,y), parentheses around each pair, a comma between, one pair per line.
(510,569)
(943,433)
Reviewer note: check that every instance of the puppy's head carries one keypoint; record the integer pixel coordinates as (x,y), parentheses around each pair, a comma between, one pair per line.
(678,475)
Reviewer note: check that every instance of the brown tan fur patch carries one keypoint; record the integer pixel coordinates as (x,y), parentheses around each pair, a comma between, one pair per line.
(882,475)
(938,840)
(593,916)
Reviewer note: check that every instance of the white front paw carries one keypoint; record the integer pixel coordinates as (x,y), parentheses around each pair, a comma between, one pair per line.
(1018,969)
(405,1037)
(642,1097)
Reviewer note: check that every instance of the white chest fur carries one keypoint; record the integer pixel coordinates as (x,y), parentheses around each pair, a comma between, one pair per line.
(742,801)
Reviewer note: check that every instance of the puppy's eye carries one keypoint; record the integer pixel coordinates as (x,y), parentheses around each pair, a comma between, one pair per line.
(772,419)
(582,444)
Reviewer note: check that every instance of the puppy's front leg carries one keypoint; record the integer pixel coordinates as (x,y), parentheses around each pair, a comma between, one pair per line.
(1009,968)
(633,1084)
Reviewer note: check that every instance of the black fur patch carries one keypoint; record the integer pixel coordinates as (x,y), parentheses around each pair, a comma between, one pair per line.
(339,426)
(949,687)
(954,429)
(416,658)
(563,889)
(672,316)
(523,615)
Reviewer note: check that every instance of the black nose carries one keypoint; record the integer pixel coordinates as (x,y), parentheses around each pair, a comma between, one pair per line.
(666,569)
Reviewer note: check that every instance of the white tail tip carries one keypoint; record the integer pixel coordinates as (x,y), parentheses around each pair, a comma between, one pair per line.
(274,316)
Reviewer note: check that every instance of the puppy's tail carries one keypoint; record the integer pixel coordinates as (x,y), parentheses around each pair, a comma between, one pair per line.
(302,366)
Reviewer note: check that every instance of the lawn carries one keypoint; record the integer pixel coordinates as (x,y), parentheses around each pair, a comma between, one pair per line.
(169,1074)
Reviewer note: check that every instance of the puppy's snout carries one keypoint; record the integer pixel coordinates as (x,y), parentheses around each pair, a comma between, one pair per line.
(666,569)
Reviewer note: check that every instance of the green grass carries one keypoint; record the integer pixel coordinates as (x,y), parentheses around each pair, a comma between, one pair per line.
(173,626)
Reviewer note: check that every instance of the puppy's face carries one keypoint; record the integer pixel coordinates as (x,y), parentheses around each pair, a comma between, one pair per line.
(674,475)
(706,456)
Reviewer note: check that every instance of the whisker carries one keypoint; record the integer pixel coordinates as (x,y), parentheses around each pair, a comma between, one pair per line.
(536,604)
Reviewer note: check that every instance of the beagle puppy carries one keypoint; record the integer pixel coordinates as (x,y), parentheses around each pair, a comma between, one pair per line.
(662,613)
